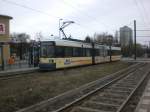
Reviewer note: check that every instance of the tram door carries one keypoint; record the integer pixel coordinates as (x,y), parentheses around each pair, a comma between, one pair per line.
(34,56)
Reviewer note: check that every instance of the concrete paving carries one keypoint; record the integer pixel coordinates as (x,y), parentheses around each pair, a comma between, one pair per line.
(144,104)
(18,71)
(140,60)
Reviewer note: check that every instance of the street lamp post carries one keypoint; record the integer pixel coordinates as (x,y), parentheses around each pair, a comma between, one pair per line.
(59,28)
(135,50)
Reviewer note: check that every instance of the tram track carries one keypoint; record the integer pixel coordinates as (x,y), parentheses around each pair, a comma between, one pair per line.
(65,101)
(112,98)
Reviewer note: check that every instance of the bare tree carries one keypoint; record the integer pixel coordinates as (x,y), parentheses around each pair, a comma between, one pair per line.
(103,38)
(88,39)
(20,37)
(39,36)
(116,38)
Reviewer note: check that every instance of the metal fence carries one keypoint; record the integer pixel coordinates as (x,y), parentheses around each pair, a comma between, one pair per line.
(17,64)
(24,55)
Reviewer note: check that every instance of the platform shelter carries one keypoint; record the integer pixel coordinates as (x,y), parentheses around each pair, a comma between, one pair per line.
(4,39)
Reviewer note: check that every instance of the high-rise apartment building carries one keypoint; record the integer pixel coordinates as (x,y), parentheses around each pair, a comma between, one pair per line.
(126,36)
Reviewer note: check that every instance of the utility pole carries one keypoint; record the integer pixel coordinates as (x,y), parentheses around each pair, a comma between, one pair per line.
(134,39)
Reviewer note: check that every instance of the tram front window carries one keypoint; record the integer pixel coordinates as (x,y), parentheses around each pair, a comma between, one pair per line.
(47,51)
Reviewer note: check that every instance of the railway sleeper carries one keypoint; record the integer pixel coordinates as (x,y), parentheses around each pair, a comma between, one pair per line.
(128,82)
(120,88)
(117,92)
(126,86)
(112,95)
(108,99)
(125,82)
(86,109)
(100,106)
(132,78)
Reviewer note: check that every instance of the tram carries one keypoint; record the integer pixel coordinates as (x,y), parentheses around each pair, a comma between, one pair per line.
(65,53)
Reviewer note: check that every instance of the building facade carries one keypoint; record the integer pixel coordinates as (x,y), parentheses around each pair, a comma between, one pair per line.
(126,36)
(4,39)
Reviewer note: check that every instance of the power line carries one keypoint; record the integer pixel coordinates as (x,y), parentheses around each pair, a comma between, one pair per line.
(143,36)
(136,31)
(29,8)
(142,30)
(145,12)
(48,14)
(139,11)
(35,10)
(92,18)
(82,26)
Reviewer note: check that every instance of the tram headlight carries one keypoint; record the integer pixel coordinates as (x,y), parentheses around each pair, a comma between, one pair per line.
(51,61)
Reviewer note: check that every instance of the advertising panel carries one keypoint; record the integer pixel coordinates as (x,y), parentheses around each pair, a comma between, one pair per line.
(2,28)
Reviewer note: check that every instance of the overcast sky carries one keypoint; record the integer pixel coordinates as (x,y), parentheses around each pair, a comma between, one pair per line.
(90,16)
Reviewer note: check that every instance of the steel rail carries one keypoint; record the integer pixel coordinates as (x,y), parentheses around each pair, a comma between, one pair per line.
(45,103)
(132,93)
(90,93)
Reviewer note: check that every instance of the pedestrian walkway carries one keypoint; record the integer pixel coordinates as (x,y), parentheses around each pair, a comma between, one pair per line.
(18,71)
(140,60)
(17,64)
(144,104)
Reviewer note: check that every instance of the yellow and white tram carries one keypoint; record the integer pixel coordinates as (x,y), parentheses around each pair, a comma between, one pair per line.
(65,53)
(115,53)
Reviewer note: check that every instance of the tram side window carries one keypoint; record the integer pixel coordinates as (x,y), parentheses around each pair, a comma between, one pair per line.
(83,52)
(50,51)
(47,51)
(88,52)
(108,53)
(113,52)
(80,52)
(59,51)
(102,51)
(97,52)
(116,52)
(75,52)
(68,52)
(105,52)
(44,51)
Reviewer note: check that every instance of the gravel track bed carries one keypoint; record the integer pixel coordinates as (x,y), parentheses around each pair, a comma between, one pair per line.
(20,92)
(113,97)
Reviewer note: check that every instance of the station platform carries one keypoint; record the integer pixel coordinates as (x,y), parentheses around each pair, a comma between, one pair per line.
(139,60)
(18,71)
(144,104)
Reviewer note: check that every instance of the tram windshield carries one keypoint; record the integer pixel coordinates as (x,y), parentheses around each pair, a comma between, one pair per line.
(47,50)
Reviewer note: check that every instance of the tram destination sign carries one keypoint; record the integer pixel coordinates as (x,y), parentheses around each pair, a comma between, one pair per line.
(50,43)
(2,28)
